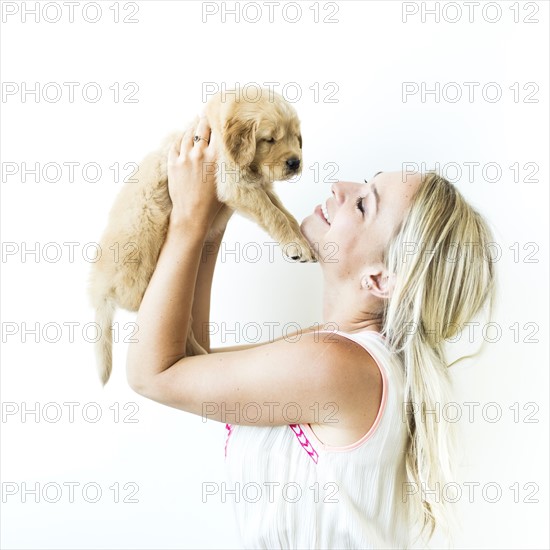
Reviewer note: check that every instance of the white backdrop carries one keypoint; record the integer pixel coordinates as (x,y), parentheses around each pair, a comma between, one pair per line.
(361,69)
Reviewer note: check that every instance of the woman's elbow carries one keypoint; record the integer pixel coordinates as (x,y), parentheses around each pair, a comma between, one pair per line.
(135,379)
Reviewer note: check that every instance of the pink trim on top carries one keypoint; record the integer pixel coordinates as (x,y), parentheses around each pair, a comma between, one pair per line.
(229,429)
(372,430)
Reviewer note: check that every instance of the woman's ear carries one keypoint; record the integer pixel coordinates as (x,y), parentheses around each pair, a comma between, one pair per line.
(380,284)
(239,137)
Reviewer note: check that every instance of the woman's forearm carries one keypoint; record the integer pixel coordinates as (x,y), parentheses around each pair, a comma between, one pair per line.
(163,317)
(203,290)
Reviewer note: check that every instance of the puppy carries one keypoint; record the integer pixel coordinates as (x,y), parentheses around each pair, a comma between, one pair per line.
(261,144)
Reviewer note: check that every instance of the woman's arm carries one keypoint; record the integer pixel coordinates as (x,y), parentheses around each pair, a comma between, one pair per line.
(163,317)
(314,380)
(164,314)
(203,291)
(293,336)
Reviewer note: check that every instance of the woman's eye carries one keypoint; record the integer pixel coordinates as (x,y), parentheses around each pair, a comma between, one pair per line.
(359,204)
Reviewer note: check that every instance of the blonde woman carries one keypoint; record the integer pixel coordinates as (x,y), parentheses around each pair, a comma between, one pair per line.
(320,446)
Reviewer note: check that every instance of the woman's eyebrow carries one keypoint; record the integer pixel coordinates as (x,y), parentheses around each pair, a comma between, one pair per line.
(377,174)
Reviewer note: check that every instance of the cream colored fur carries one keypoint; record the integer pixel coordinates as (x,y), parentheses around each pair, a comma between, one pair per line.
(248,163)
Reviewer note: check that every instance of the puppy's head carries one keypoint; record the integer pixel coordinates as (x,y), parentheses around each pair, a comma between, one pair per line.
(264,138)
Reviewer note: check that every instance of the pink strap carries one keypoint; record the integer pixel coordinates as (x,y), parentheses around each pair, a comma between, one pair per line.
(304,442)
(229,429)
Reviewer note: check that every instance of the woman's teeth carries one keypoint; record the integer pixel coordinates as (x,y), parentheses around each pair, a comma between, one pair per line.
(325,212)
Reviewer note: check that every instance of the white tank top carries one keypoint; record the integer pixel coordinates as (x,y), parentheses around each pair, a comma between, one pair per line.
(292,491)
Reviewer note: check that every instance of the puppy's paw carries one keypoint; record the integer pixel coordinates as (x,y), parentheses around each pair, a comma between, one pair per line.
(299,250)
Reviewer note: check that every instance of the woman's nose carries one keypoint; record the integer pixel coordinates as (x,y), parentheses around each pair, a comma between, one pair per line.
(340,189)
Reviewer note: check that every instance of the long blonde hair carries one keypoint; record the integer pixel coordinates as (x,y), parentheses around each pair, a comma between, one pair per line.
(443,278)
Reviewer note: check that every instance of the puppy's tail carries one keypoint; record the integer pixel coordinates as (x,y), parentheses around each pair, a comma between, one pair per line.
(104,346)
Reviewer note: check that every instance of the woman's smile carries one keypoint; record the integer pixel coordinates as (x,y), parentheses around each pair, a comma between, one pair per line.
(319,210)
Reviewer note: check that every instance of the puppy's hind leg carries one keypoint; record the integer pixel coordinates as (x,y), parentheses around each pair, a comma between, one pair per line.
(192,347)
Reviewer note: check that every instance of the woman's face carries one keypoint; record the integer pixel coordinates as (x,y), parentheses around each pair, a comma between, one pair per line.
(362,217)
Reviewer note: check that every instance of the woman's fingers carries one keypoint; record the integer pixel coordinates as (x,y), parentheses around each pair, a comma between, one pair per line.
(202,132)
(186,142)
(190,137)
(174,151)
(213,141)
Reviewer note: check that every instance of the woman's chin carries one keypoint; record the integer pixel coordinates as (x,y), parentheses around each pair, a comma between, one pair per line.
(311,229)
(307,229)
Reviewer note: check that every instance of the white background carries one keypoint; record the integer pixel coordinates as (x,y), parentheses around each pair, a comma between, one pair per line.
(169,53)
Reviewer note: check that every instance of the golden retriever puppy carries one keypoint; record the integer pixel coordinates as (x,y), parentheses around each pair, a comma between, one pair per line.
(261,144)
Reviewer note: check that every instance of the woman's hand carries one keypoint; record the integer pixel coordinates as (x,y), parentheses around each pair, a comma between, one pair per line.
(192,168)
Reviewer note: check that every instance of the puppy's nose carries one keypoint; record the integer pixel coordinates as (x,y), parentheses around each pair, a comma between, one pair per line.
(293,164)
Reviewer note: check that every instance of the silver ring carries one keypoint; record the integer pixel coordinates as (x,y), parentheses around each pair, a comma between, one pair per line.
(196,139)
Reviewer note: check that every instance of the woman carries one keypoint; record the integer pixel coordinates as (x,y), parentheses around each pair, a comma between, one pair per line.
(318,424)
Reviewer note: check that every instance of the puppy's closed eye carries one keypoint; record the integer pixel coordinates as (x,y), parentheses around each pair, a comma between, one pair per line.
(269,140)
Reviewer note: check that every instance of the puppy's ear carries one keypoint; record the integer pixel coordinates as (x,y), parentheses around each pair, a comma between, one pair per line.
(240,138)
